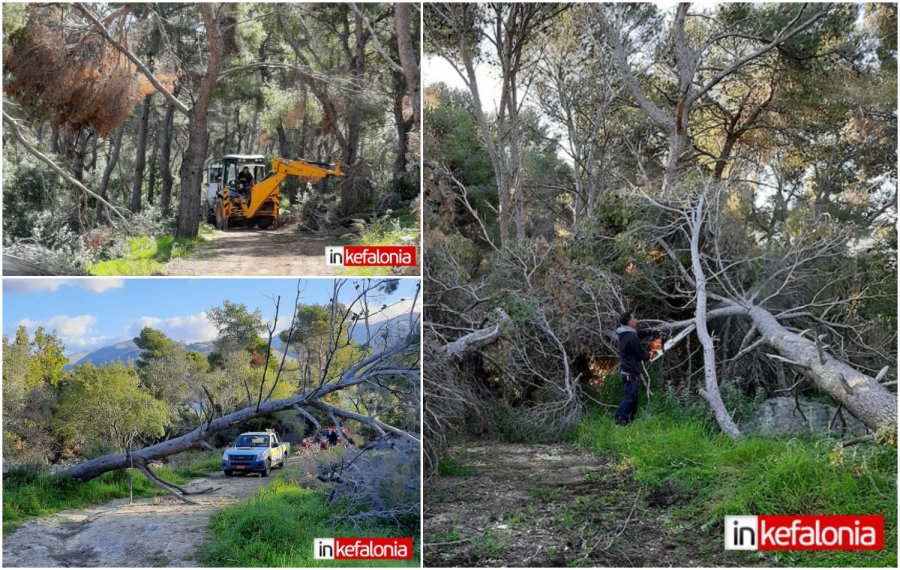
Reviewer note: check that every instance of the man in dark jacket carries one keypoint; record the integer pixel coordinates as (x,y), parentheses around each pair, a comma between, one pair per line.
(631,356)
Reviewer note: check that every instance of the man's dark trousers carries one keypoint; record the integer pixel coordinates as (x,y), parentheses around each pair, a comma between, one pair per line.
(628,408)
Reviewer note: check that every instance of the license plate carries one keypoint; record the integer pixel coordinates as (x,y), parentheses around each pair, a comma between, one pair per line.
(240,467)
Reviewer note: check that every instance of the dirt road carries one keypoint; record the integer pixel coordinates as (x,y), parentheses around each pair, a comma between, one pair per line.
(159,531)
(242,251)
(557,506)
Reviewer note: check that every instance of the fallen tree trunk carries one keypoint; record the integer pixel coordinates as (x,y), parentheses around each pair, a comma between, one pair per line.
(365,370)
(475,340)
(862,395)
(710,391)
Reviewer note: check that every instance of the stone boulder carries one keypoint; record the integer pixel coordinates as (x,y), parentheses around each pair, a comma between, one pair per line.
(779,417)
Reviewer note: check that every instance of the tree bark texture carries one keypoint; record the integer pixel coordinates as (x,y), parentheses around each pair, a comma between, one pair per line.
(188,223)
(140,156)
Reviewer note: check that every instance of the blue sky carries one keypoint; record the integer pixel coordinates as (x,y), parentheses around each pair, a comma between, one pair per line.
(93,312)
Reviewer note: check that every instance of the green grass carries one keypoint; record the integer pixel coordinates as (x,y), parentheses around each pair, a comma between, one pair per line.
(146,255)
(522,515)
(31,492)
(449,467)
(490,545)
(544,493)
(385,231)
(754,475)
(277,526)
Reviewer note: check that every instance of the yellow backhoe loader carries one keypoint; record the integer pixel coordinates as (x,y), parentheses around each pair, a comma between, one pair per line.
(239,192)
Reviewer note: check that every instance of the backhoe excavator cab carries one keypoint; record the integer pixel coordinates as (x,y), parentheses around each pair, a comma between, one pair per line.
(249,193)
(234,194)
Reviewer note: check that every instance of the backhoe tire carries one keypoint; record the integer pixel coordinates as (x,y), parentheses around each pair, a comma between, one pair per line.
(221,220)
(264,223)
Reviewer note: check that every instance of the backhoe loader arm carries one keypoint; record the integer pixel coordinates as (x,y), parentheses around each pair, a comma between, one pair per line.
(280,169)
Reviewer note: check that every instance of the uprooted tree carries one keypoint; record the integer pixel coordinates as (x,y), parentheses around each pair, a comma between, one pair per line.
(385,362)
(704,169)
(791,308)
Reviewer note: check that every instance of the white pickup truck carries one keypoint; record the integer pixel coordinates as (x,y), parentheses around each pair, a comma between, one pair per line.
(255,452)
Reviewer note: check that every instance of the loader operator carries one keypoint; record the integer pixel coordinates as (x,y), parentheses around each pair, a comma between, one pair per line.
(631,357)
(245,181)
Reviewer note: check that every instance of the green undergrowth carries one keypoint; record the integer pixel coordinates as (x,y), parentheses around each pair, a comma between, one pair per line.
(31,491)
(388,230)
(753,475)
(449,467)
(147,255)
(277,527)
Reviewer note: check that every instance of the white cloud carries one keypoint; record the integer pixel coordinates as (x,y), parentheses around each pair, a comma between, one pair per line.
(100,285)
(72,331)
(32,284)
(37,284)
(188,328)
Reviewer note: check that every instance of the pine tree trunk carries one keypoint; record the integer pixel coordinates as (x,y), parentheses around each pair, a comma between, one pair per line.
(154,155)
(188,223)
(291,184)
(165,164)
(102,211)
(871,403)
(710,391)
(140,159)
(404,127)
(408,59)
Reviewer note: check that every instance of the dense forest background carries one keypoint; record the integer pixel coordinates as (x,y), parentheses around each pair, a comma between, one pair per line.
(112,113)
(730,167)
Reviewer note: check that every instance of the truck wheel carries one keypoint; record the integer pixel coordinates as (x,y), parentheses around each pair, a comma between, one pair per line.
(251,223)
(268,468)
(264,223)
(229,473)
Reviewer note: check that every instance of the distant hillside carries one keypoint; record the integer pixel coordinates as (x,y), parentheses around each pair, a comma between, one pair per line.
(385,333)
(381,334)
(125,351)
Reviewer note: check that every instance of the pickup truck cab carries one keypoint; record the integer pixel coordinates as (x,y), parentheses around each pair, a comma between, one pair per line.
(255,452)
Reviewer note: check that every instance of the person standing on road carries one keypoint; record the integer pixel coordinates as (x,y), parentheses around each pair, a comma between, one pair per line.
(631,357)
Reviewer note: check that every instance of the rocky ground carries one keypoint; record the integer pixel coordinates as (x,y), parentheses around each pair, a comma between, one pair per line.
(159,531)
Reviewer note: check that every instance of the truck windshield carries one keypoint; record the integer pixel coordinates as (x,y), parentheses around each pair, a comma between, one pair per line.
(252,441)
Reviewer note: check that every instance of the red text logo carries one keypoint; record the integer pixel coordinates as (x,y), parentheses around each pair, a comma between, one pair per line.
(804,532)
(363,549)
(371,256)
